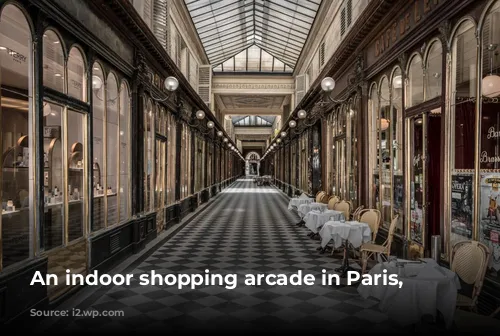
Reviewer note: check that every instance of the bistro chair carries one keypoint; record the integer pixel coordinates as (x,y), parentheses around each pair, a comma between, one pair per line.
(332,201)
(469,260)
(372,218)
(369,249)
(319,196)
(357,212)
(344,207)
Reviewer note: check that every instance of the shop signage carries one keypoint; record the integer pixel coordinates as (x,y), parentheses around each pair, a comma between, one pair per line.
(403,24)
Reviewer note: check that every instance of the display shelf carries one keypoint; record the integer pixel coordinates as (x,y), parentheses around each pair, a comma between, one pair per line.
(6,213)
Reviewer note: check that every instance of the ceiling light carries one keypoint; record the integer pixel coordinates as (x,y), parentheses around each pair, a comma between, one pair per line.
(56,42)
(57,75)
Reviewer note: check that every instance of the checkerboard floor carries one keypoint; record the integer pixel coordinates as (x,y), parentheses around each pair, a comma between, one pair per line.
(247,229)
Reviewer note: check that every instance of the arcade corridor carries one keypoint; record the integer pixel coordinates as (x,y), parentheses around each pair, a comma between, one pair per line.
(246,229)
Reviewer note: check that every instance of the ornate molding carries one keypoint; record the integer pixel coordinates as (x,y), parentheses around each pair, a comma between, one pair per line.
(247,86)
(444,34)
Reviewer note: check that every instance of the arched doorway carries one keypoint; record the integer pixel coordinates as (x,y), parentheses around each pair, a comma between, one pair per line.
(252,164)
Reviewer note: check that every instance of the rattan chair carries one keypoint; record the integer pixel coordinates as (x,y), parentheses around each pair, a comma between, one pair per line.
(357,212)
(344,207)
(319,196)
(372,218)
(332,201)
(369,249)
(469,260)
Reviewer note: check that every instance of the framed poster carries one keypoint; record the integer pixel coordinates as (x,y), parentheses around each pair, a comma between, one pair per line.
(461,207)
(489,225)
(398,192)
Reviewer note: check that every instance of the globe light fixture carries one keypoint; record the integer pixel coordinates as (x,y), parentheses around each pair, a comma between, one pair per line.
(200,114)
(302,114)
(283,134)
(384,124)
(171,83)
(278,140)
(220,133)
(96,82)
(327,84)
(491,86)
(226,139)
(292,123)
(210,124)
(397,82)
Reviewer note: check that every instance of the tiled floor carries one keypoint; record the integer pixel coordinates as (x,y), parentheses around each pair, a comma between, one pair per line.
(247,230)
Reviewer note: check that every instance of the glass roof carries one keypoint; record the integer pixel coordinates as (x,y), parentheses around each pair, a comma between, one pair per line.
(253,59)
(253,121)
(228,27)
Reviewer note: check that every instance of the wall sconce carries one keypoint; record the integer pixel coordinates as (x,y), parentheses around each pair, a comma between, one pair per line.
(327,85)
(283,134)
(170,84)
(220,133)
(292,123)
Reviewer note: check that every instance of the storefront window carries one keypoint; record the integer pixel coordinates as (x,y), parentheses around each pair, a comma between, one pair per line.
(385,154)
(434,71)
(489,221)
(124,195)
(199,163)
(171,151)
(76,158)
(463,79)
(16,116)
(353,155)
(98,107)
(396,144)
(53,228)
(185,161)
(374,144)
(112,144)
(415,87)
(148,156)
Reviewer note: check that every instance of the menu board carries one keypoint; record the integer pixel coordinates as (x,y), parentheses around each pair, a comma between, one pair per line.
(461,207)
(489,227)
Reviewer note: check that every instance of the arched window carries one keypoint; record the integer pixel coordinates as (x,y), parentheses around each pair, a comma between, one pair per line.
(98,126)
(415,87)
(77,84)
(434,69)
(171,162)
(396,119)
(125,114)
(16,188)
(53,61)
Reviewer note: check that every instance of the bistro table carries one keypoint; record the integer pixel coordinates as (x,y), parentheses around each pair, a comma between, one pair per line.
(352,232)
(427,288)
(297,201)
(316,219)
(304,209)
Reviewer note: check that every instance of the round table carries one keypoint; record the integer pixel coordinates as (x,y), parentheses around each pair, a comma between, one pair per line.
(304,209)
(427,288)
(316,219)
(297,201)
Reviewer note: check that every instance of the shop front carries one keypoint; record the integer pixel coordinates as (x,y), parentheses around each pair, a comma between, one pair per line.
(432,109)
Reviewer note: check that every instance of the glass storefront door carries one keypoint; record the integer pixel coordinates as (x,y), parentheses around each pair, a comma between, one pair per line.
(339,185)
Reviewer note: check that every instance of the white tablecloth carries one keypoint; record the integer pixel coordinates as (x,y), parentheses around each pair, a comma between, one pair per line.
(296,202)
(427,287)
(316,219)
(304,209)
(355,232)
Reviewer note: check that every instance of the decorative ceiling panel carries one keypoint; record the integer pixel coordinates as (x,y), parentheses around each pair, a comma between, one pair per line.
(254,102)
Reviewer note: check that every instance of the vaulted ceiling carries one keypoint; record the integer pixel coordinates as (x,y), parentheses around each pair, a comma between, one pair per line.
(228,27)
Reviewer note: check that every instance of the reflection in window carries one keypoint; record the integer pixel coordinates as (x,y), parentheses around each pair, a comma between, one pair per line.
(76,159)
(199,163)
(77,87)
(434,71)
(99,183)
(373,105)
(415,88)
(53,61)
(16,115)
(185,161)
(124,195)
(385,150)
